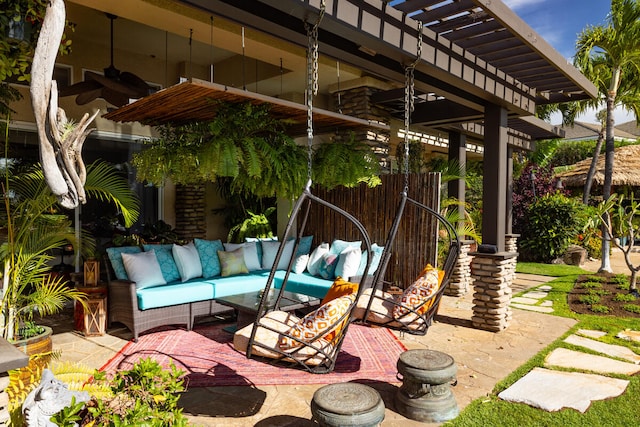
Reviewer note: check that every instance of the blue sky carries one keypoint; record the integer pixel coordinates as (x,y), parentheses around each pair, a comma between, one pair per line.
(559,22)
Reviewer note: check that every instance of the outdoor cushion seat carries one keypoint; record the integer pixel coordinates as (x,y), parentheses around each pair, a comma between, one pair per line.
(237,284)
(274,327)
(304,283)
(173,294)
(381,312)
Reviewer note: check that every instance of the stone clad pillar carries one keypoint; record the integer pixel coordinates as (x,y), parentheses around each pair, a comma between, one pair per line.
(354,98)
(461,276)
(190,211)
(492,277)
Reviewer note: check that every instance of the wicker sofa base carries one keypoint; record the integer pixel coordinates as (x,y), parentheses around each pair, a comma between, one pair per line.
(123,308)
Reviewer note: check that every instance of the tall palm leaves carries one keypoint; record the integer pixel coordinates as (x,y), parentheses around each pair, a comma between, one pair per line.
(32,230)
(609,55)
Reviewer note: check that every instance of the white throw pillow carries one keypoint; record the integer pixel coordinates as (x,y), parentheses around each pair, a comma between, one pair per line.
(348,262)
(187,260)
(313,266)
(300,264)
(270,250)
(144,269)
(251,259)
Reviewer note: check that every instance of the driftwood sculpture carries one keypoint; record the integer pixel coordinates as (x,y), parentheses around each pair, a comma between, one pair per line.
(60,139)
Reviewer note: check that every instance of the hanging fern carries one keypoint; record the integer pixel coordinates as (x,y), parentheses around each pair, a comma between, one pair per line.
(245,143)
(348,164)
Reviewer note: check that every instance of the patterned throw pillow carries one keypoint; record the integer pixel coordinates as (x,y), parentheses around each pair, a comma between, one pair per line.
(115,256)
(420,291)
(208,253)
(232,262)
(250,253)
(328,265)
(164,254)
(319,323)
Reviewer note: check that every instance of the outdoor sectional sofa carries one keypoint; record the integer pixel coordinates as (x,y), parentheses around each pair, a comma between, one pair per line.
(186,286)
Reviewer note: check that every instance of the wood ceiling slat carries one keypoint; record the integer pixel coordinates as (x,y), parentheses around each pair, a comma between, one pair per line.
(518,59)
(411,6)
(483,39)
(475,30)
(497,46)
(507,52)
(196,100)
(444,13)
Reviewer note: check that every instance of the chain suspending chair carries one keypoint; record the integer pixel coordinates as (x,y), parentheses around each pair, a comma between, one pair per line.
(413,311)
(313,341)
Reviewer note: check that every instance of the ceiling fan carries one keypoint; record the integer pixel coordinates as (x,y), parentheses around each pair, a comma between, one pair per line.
(114,86)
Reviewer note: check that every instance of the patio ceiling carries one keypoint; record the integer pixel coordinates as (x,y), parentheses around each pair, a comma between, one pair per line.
(475,51)
(494,33)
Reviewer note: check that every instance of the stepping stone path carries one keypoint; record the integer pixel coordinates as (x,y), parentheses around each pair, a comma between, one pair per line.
(552,390)
(534,300)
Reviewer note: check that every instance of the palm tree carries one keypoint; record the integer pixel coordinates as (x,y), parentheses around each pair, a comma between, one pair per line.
(610,56)
(32,230)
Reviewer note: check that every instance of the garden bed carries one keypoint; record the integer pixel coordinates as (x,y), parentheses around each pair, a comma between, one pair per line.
(604,294)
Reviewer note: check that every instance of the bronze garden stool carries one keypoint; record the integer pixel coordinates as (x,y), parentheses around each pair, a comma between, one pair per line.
(425,394)
(347,404)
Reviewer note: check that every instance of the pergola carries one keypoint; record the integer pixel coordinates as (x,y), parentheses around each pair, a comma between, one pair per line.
(480,76)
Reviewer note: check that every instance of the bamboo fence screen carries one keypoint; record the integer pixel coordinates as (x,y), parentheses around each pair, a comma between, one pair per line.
(416,242)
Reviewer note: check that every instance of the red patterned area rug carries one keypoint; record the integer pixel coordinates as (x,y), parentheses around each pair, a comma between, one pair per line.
(207,355)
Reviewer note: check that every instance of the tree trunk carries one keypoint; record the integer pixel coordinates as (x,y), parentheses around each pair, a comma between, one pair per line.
(60,149)
(592,168)
(605,265)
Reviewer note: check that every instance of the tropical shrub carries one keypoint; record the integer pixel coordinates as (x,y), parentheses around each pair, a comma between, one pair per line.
(145,395)
(533,183)
(552,224)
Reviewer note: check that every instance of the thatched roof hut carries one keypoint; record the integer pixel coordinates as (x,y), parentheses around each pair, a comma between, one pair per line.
(626,169)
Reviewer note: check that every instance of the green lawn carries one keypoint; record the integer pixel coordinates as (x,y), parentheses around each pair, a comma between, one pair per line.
(621,411)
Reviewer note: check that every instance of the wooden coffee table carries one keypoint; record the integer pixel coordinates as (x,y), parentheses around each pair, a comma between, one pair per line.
(246,304)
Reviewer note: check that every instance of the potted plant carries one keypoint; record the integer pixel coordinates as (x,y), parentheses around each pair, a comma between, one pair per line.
(32,227)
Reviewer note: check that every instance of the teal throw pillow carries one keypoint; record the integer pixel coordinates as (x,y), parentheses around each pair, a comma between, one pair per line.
(208,253)
(328,266)
(304,247)
(337,246)
(115,256)
(168,265)
(375,262)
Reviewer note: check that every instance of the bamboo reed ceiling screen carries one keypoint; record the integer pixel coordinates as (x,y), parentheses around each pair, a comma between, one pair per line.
(375,208)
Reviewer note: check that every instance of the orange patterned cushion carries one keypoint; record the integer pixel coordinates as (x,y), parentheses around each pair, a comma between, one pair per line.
(420,291)
(339,288)
(319,323)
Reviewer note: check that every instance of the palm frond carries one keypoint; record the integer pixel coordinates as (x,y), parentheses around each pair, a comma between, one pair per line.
(104,183)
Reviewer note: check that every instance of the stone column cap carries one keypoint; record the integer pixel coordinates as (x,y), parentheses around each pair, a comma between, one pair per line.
(497,255)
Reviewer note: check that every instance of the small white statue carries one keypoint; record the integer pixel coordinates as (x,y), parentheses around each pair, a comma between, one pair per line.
(49,398)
